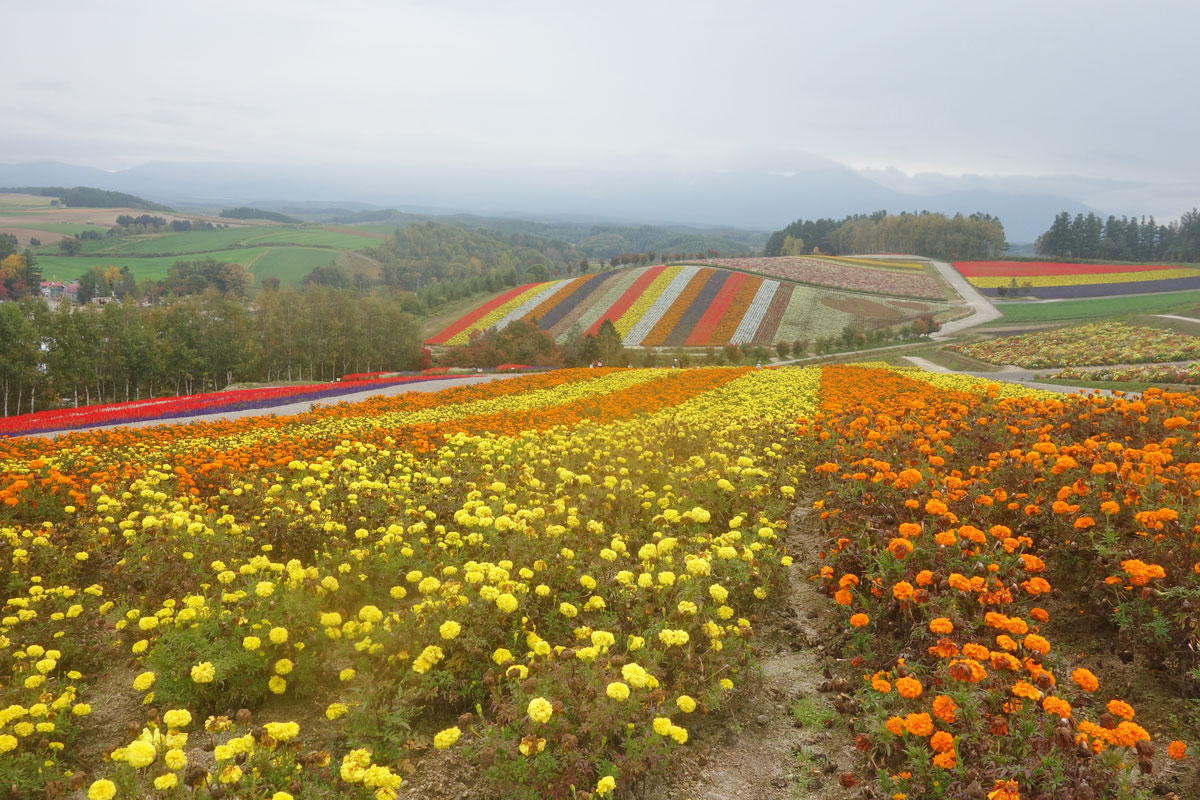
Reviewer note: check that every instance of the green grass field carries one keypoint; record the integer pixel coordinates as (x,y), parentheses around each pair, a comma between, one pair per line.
(68,228)
(204,242)
(1103,307)
(288,264)
(18,202)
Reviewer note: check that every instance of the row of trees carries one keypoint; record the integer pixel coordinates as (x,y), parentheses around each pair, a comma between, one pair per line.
(1124,239)
(20,275)
(930,234)
(123,351)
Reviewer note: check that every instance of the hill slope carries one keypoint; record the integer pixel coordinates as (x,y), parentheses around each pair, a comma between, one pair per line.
(692,305)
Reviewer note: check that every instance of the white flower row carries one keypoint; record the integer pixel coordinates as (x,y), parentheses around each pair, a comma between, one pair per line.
(646,324)
(755,313)
(531,303)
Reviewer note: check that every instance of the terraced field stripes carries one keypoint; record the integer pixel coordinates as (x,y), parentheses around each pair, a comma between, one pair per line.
(587,309)
(691,316)
(660,305)
(701,335)
(754,314)
(584,290)
(737,308)
(479,313)
(627,299)
(548,290)
(769,329)
(668,321)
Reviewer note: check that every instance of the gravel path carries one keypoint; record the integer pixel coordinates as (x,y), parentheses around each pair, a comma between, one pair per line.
(1025,377)
(301,407)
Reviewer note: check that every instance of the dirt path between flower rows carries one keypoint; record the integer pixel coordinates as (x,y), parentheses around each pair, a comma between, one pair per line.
(783,740)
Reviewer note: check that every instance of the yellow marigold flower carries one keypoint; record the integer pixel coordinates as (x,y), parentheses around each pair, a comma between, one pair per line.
(281,796)
(502,656)
(204,672)
(277,684)
(251,643)
(283,666)
(264,588)
(347,674)
(506,603)
(8,742)
(143,681)
(140,754)
(447,738)
(282,731)
(662,726)
(102,789)
(370,614)
(617,690)
(606,785)
(336,710)
(166,781)
(331,619)
(81,709)
(449,629)
(726,684)
(278,635)
(177,718)
(540,709)
(680,735)
(175,758)
(686,704)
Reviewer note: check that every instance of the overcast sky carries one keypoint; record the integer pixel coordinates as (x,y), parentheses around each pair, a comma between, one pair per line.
(1095,90)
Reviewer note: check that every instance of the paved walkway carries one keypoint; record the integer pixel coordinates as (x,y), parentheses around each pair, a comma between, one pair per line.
(301,407)
(1176,316)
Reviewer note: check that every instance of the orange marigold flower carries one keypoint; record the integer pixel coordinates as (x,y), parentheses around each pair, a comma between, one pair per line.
(924,578)
(976,651)
(1036,585)
(1005,661)
(945,709)
(1040,614)
(900,548)
(941,625)
(944,649)
(1016,626)
(1057,706)
(941,741)
(919,724)
(935,507)
(848,580)
(909,687)
(909,529)
(1025,689)
(967,670)
(1119,708)
(1109,507)
(946,760)
(1083,523)
(880,685)
(1177,750)
(1140,573)
(903,590)
(1128,734)
(895,726)
(1085,679)
(1006,641)
(945,538)
(1037,644)
(959,581)
(972,534)
(843,597)
(1005,790)
(859,620)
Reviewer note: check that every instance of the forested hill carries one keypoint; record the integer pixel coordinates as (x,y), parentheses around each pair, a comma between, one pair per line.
(245,212)
(88,197)
(926,234)
(595,241)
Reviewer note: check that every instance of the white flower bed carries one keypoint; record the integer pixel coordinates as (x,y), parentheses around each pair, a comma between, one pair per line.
(755,313)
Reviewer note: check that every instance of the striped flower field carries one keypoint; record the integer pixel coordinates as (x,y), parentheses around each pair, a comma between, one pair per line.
(1050,280)
(687,305)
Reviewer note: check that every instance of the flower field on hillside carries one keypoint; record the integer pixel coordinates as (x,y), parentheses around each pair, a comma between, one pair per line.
(880,276)
(1086,345)
(162,408)
(1047,280)
(1183,374)
(556,576)
(694,306)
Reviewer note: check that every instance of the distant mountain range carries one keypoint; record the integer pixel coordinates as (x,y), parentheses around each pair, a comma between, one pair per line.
(747,196)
